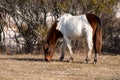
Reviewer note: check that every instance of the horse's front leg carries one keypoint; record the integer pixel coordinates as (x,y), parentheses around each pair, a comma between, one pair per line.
(63,51)
(69,47)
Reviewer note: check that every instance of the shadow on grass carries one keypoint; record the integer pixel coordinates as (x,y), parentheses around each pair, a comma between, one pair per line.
(67,61)
(23,59)
(40,60)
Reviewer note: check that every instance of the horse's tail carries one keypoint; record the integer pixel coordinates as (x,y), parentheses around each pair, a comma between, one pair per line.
(97,38)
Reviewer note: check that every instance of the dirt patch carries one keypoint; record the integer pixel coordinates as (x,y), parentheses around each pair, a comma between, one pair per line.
(33,67)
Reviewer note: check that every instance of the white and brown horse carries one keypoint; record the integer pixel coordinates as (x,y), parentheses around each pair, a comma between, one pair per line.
(72,27)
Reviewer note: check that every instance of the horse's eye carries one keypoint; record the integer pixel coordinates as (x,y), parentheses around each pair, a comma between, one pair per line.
(47,51)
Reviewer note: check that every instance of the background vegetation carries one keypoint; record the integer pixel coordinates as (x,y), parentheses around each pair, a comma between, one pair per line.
(30,20)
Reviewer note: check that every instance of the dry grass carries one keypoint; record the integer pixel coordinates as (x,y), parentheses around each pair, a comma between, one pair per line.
(33,67)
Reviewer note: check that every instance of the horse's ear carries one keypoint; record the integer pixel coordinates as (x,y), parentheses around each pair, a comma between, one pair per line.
(43,41)
(45,45)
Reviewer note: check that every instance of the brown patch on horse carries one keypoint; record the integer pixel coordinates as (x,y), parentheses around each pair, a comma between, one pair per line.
(52,36)
(95,23)
(92,21)
(53,33)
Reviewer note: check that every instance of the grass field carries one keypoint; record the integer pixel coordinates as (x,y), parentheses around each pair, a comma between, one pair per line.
(33,67)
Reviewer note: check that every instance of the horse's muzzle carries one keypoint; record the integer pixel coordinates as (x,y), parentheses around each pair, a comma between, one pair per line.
(47,59)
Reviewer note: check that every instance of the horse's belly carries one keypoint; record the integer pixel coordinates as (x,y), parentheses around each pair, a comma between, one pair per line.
(72,33)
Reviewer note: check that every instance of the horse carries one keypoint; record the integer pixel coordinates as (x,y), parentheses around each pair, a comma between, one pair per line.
(73,27)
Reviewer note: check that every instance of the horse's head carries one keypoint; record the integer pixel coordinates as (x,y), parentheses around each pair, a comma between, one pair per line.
(50,41)
(48,52)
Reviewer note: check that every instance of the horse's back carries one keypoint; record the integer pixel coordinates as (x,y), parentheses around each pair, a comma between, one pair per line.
(74,26)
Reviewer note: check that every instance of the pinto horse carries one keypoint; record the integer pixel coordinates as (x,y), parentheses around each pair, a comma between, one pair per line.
(73,27)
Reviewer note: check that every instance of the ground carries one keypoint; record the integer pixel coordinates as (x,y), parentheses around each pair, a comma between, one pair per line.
(33,67)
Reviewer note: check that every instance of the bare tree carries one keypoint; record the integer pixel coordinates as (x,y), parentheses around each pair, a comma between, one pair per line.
(30,15)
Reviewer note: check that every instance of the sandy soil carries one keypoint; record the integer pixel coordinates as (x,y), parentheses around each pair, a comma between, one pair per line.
(33,67)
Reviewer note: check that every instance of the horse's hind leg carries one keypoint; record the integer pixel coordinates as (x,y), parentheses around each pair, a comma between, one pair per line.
(63,51)
(90,46)
(95,58)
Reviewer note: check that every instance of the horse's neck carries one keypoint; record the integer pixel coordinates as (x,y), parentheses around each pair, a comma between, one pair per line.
(53,35)
(51,39)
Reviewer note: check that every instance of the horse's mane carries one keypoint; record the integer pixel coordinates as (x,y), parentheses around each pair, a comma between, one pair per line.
(51,31)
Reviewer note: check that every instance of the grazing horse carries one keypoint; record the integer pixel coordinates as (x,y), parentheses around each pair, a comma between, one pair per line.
(73,27)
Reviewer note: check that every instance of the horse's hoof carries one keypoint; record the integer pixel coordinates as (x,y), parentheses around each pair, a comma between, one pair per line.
(86,61)
(61,58)
(71,59)
(95,61)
